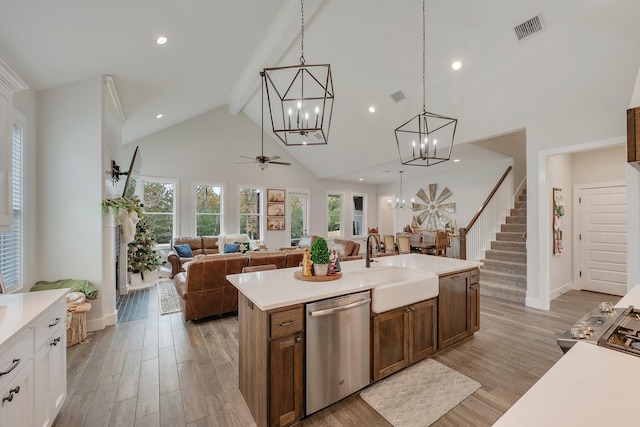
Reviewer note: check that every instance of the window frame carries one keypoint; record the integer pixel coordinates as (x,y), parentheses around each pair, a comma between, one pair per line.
(342,197)
(306,214)
(261,207)
(194,213)
(176,185)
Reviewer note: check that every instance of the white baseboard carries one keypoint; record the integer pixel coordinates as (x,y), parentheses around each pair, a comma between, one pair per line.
(561,290)
(97,324)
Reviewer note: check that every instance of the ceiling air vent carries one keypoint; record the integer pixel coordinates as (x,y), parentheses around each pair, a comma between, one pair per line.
(398,96)
(529,28)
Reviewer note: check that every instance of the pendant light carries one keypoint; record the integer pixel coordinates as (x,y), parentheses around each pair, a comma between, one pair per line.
(300,99)
(427,138)
(399,203)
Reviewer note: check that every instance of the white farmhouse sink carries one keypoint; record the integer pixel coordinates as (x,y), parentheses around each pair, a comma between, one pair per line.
(397,287)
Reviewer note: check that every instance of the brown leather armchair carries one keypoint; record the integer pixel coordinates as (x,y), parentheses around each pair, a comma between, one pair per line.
(202,245)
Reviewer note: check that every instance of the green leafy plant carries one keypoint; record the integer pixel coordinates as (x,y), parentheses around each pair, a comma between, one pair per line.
(130,205)
(320,251)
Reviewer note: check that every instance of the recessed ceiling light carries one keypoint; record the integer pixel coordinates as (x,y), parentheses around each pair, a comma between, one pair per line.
(372,109)
(159,116)
(360,179)
(456,65)
(161,40)
(456,160)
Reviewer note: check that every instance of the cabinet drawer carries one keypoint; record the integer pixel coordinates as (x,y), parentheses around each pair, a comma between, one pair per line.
(15,357)
(474,276)
(48,323)
(284,323)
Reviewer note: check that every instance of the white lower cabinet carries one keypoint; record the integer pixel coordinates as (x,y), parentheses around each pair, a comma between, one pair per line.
(33,370)
(51,372)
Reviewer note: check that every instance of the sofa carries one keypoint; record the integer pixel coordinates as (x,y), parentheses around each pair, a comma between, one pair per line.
(203,287)
(346,249)
(202,245)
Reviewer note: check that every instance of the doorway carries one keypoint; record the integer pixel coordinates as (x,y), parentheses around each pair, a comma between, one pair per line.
(601,238)
(386,216)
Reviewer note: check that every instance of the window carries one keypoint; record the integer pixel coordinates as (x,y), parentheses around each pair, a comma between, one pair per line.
(250,202)
(208,209)
(334,209)
(159,198)
(298,215)
(359,225)
(11,241)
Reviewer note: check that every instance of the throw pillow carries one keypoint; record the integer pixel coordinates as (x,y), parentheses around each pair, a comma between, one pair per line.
(183,251)
(244,246)
(230,248)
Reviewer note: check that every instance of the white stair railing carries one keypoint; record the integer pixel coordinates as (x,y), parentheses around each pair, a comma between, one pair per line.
(483,226)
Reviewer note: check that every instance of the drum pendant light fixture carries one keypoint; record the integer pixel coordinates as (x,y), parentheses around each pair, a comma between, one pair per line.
(300,99)
(427,138)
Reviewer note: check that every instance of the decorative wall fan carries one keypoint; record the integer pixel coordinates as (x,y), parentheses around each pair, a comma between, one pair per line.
(433,208)
(262,160)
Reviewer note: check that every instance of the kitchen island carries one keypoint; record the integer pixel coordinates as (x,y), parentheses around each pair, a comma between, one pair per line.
(271,316)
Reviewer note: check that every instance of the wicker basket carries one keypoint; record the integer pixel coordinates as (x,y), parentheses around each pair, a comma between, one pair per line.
(76,332)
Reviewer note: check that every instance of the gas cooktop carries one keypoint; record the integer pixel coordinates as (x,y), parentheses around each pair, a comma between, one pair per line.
(624,334)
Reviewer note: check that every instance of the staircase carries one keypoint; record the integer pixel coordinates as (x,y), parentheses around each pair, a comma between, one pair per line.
(504,273)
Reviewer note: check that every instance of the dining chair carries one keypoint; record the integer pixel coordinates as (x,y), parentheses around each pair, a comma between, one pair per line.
(389,244)
(441,243)
(264,267)
(404,246)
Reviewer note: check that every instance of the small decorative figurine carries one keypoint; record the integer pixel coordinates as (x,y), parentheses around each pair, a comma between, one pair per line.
(306,263)
(333,260)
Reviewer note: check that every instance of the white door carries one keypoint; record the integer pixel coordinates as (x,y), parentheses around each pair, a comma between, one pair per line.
(386,217)
(603,240)
(298,216)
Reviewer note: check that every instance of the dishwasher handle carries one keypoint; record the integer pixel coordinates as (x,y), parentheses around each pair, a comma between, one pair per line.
(334,310)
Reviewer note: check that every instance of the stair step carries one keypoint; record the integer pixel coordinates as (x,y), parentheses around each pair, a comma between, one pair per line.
(514,228)
(519,257)
(520,205)
(501,291)
(518,212)
(515,280)
(522,197)
(503,236)
(502,266)
(516,220)
(509,246)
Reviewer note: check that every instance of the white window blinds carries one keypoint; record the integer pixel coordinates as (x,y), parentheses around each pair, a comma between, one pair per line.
(11,242)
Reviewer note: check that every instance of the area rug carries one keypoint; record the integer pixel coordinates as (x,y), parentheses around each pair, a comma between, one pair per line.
(169,298)
(420,394)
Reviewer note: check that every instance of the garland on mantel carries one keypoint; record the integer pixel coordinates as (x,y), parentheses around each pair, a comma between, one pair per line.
(130,205)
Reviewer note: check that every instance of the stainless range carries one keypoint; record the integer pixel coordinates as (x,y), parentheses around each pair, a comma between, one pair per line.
(624,334)
(591,327)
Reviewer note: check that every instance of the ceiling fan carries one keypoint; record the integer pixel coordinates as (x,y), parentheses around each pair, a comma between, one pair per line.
(262,160)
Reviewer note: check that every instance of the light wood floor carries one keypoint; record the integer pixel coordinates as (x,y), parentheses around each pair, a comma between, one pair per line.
(160,371)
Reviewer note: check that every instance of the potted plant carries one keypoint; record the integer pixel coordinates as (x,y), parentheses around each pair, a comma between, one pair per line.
(320,256)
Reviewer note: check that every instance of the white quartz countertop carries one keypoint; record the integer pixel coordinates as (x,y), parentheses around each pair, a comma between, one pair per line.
(278,288)
(18,310)
(588,386)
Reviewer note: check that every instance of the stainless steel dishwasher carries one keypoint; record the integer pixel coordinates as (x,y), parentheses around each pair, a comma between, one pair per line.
(337,348)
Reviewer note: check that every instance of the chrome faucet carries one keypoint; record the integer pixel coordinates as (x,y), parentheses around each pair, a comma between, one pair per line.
(369,255)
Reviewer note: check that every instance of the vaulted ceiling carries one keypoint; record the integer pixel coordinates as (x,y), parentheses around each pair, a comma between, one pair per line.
(585,58)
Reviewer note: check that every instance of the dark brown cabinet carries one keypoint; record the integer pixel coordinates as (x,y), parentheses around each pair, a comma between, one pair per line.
(458,307)
(403,336)
(272,362)
(285,380)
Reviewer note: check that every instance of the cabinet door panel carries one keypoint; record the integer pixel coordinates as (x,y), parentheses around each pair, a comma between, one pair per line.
(453,310)
(19,410)
(390,346)
(423,330)
(285,380)
(474,306)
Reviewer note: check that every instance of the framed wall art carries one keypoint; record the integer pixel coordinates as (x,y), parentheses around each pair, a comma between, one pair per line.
(275,223)
(275,209)
(275,195)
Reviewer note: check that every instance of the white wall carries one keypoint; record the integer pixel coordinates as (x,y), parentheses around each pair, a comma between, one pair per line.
(604,165)
(207,148)
(69,182)
(470,184)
